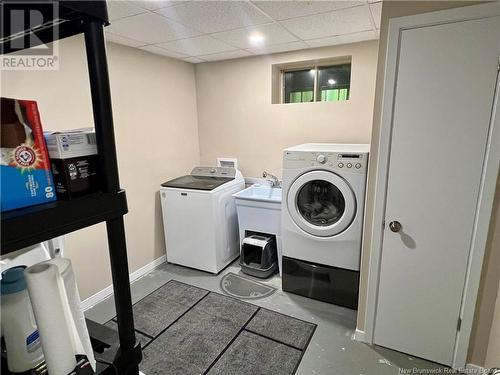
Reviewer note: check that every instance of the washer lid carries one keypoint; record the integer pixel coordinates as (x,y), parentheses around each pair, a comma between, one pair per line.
(321,203)
(197,182)
(203,178)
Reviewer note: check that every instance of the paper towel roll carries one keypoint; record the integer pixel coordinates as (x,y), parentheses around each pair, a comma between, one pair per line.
(53,317)
(83,344)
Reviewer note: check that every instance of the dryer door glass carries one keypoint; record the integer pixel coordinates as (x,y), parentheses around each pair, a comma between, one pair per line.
(320,202)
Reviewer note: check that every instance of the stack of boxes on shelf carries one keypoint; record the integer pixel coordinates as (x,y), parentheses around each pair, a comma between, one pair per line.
(73,158)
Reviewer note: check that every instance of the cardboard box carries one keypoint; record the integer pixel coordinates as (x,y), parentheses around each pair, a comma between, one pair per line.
(26,178)
(71,143)
(73,158)
(74,177)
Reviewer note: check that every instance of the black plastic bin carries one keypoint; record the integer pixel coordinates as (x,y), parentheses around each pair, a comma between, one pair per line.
(258,256)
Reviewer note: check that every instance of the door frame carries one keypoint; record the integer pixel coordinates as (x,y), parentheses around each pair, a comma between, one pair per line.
(488,178)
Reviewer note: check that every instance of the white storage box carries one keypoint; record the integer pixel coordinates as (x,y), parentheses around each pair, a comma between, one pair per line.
(71,143)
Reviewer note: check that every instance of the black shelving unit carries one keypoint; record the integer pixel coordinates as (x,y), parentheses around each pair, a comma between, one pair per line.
(31,225)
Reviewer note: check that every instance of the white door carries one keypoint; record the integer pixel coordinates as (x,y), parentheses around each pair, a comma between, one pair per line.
(442,106)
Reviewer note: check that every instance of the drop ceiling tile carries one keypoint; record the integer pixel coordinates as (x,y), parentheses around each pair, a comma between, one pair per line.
(110,37)
(121,8)
(215,16)
(282,10)
(277,48)
(225,55)
(376,9)
(202,45)
(150,28)
(273,34)
(160,51)
(338,22)
(343,39)
(193,60)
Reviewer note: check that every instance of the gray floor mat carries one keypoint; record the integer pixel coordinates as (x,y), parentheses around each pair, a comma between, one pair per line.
(283,328)
(192,343)
(251,354)
(201,331)
(161,308)
(143,338)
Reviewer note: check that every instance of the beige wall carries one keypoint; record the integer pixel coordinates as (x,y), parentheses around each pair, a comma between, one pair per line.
(489,282)
(154,106)
(236,117)
(485,338)
(493,353)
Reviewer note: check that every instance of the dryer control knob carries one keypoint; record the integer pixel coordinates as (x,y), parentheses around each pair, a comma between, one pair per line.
(321,159)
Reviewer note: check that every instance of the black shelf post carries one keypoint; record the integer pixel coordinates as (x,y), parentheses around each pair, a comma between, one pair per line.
(103,118)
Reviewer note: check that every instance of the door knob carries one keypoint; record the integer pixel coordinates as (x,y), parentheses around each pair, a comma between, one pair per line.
(395,226)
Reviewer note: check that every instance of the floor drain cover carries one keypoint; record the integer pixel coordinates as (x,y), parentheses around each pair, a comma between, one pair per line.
(242,287)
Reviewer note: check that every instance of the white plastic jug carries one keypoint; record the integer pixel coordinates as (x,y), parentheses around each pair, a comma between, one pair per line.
(22,340)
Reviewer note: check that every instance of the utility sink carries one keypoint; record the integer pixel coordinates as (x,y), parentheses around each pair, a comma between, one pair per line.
(260,193)
(259,211)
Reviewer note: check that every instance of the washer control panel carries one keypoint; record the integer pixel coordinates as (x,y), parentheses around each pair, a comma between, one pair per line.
(349,162)
(214,172)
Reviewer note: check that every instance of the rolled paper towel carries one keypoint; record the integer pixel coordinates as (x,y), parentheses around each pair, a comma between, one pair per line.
(53,317)
(81,333)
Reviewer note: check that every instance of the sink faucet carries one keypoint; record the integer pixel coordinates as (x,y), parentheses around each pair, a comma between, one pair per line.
(275,182)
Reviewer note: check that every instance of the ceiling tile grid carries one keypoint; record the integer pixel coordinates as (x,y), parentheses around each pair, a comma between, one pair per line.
(344,21)
(274,34)
(200,31)
(200,45)
(161,51)
(215,16)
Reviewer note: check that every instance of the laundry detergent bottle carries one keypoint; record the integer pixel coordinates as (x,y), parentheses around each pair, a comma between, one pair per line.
(22,341)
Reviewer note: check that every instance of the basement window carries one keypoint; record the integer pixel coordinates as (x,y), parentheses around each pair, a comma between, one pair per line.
(333,83)
(312,82)
(298,86)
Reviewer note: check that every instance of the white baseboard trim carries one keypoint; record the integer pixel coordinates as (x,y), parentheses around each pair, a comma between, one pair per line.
(96,298)
(359,335)
(473,369)
(106,292)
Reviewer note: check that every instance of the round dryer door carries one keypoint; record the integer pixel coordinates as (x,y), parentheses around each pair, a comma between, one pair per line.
(321,203)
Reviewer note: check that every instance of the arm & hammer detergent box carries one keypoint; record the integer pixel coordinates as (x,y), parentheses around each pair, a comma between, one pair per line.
(25,176)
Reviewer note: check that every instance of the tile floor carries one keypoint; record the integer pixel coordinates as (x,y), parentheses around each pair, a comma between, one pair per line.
(332,349)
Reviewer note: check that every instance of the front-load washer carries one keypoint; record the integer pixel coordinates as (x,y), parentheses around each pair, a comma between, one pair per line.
(199,218)
(322,220)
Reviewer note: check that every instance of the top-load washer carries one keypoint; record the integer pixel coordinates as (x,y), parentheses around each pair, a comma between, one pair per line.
(322,217)
(199,218)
